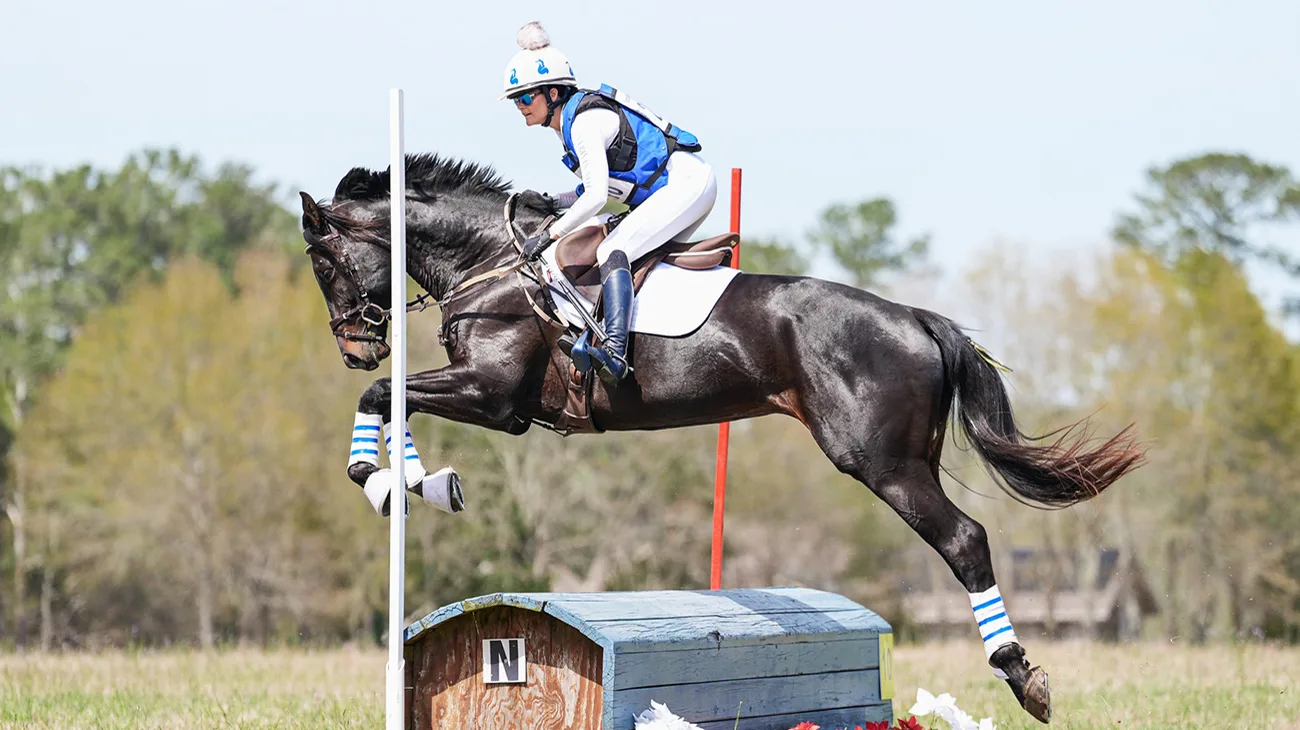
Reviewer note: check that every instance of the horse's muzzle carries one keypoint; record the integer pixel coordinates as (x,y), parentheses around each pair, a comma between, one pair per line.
(362,351)
(357,363)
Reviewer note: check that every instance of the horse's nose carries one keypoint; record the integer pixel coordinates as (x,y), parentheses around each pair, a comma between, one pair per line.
(356,363)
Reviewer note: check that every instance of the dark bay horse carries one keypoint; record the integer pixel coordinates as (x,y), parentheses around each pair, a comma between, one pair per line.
(874,381)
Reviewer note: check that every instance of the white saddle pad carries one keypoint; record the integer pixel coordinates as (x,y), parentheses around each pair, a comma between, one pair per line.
(673,301)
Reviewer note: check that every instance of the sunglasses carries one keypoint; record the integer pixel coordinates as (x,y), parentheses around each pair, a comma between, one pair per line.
(525,99)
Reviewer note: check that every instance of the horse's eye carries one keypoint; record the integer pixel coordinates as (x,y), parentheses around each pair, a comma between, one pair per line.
(325,273)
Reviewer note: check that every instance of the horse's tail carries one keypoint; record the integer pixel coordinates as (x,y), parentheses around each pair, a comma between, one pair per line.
(1053,475)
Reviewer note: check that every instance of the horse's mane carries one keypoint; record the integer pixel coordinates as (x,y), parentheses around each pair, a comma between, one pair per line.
(427,175)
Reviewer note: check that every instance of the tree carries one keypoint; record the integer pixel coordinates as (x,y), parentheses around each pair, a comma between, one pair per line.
(73,240)
(1227,389)
(771,256)
(1217,202)
(1187,351)
(179,466)
(861,239)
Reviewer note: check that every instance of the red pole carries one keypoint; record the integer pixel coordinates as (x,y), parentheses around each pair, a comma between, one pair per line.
(724,429)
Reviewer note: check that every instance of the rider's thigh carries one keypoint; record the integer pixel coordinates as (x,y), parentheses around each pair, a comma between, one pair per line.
(674,212)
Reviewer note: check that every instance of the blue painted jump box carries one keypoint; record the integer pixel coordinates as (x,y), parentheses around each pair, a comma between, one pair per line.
(749,659)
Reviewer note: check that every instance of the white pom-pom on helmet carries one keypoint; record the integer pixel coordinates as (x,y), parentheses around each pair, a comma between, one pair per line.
(538,64)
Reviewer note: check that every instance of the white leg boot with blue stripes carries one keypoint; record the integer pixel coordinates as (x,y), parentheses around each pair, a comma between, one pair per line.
(1007,657)
(415,471)
(440,489)
(993,623)
(366,432)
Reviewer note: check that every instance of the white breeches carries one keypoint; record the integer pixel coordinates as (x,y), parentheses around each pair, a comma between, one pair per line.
(673,213)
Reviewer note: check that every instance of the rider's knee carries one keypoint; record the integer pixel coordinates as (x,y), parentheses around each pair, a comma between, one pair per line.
(615,259)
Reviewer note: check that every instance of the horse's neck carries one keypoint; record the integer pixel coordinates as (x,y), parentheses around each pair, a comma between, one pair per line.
(441,268)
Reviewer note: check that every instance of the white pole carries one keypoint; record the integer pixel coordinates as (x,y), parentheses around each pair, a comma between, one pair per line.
(396,717)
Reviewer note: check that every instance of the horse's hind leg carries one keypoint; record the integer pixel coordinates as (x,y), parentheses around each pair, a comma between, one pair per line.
(908,485)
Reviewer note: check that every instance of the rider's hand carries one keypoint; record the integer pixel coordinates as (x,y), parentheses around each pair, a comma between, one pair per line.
(541,201)
(535,245)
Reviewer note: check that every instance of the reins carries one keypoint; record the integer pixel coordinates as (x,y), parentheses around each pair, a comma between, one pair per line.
(375,315)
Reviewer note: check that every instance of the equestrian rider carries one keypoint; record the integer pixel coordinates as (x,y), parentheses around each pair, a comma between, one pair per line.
(622,152)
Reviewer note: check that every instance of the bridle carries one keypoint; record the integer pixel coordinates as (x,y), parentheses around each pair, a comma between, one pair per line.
(366,310)
(377,316)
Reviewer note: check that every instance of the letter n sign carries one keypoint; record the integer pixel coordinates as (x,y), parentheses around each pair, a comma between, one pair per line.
(504,662)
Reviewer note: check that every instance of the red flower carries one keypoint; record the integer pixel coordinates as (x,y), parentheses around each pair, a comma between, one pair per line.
(911,723)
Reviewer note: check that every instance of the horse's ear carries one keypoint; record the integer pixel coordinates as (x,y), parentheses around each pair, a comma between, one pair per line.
(311,216)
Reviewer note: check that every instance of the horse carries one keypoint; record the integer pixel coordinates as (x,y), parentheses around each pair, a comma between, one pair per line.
(874,381)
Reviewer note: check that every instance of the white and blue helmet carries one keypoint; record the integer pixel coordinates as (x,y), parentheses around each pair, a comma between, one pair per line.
(537,65)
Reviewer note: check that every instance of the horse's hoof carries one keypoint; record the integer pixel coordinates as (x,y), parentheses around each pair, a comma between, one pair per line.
(1038,699)
(1028,684)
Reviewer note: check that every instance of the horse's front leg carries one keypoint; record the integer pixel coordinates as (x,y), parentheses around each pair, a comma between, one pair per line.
(456,392)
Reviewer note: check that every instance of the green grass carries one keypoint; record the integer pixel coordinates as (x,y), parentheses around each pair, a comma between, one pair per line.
(1126,687)
(184,690)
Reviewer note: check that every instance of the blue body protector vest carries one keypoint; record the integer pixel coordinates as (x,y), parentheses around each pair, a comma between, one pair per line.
(638,158)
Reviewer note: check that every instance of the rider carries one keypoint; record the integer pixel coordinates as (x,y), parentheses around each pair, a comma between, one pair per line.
(622,152)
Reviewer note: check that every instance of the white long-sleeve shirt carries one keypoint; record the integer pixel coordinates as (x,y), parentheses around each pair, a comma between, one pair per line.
(593,132)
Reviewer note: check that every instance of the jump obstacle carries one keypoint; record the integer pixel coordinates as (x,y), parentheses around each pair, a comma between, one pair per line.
(750,659)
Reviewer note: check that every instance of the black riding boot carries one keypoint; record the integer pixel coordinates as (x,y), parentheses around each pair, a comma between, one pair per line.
(610,357)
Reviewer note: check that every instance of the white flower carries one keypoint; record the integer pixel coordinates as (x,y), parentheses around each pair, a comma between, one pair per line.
(944,706)
(659,718)
(962,720)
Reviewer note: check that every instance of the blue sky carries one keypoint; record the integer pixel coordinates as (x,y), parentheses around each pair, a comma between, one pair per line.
(1029,122)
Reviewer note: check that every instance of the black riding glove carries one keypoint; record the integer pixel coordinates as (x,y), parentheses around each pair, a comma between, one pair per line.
(535,245)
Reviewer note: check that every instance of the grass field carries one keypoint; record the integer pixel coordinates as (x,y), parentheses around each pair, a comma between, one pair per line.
(1135,686)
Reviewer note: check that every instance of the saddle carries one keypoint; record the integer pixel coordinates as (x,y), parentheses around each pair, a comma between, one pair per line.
(575,254)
